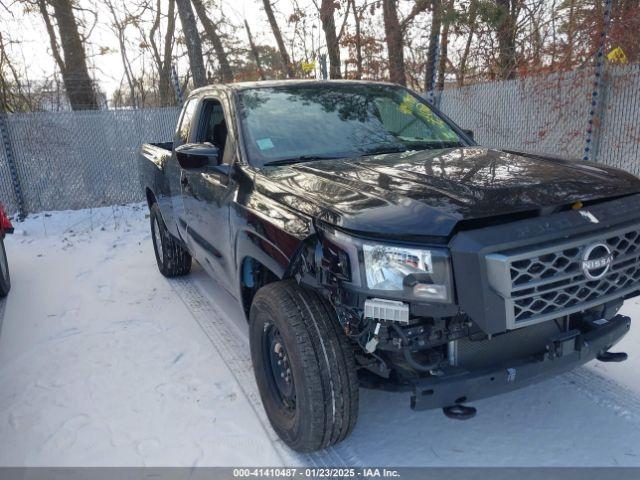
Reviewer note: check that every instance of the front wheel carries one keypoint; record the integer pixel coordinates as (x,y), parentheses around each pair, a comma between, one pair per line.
(304,366)
(5,279)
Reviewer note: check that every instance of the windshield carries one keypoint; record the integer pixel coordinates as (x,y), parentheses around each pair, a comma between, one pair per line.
(310,122)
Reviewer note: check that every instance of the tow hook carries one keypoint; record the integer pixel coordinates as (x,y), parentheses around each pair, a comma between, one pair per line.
(612,356)
(459,412)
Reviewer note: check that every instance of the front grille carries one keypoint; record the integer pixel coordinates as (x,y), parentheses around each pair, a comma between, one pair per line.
(550,282)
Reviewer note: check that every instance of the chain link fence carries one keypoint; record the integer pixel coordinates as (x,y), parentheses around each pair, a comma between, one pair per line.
(551,115)
(71,160)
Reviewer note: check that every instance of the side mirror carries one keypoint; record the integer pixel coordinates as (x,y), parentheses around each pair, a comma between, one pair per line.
(197,155)
(468,132)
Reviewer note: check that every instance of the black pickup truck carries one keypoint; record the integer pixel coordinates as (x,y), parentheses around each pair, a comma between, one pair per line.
(372,242)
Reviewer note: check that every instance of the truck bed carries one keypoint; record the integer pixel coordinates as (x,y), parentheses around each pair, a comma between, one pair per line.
(152,159)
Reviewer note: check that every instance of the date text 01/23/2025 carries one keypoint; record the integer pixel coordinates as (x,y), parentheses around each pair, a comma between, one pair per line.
(288,472)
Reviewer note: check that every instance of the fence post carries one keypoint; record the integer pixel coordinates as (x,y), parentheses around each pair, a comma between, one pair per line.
(176,85)
(8,149)
(323,66)
(597,101)
(431,82)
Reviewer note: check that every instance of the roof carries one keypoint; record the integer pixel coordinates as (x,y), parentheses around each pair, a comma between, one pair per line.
(280,83)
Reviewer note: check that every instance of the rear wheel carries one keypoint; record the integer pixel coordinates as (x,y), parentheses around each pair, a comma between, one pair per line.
(5,279)
(173,259)
(304,366)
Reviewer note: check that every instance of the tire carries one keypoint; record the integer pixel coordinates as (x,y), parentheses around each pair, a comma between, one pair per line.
(324,407)
(172,258)
(5,278)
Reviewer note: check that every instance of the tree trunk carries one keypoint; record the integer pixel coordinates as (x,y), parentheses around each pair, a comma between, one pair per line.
(167,91)
(212,33)
(444,49)
(55,50)
(254,52)
(192,39)
(284,56)
(462,70)
(358,40)
(570,33)
(329,26)
(167,96)
(75,74)
(506,31)
(120,31)
(432,49)
(393,32)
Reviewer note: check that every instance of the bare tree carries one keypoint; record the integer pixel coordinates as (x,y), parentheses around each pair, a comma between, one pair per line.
(327,7)
(119,27)
(444,44)
(13,95)
(73,66)
(163,62)
(394,31)
(254,51)
(432,49)
(506,29)
(211,30)
(395,48)
(286,61)
(358,38)
(472,23)
(192,40)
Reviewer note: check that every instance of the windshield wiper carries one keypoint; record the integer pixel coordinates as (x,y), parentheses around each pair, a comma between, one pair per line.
(424,145)
(300,159)
(384,149)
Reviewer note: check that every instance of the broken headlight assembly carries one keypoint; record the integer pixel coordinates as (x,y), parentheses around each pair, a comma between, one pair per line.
(394,271)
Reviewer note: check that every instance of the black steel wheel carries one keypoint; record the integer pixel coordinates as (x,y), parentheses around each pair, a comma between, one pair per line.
(279,377)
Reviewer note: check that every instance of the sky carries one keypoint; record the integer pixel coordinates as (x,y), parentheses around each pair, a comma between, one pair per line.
(32,48)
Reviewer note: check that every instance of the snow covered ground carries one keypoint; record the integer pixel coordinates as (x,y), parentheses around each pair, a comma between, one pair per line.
(105,362)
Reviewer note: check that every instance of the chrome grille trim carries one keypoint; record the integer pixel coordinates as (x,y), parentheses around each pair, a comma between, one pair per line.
(548,282)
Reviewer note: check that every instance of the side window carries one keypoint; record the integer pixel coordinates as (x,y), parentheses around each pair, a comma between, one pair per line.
(213,128)
(185,122)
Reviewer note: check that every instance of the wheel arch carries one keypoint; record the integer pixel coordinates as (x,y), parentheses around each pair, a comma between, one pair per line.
(258,262)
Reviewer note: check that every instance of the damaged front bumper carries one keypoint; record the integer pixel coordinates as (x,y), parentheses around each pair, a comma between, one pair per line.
(564,353)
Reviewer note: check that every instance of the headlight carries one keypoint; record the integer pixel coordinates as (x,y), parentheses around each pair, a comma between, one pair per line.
(423,273)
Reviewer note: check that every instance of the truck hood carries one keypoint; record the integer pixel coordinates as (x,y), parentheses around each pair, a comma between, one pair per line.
(427,193)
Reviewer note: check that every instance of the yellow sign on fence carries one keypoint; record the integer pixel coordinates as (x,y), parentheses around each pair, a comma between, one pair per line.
(617,56)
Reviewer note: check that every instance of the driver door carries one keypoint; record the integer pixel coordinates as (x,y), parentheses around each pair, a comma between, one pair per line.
(207,192)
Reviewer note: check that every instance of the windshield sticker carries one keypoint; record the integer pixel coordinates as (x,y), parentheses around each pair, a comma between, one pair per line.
(264,143)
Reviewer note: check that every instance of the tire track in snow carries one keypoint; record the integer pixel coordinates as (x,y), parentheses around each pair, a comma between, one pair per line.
(234,353)
(605,392)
